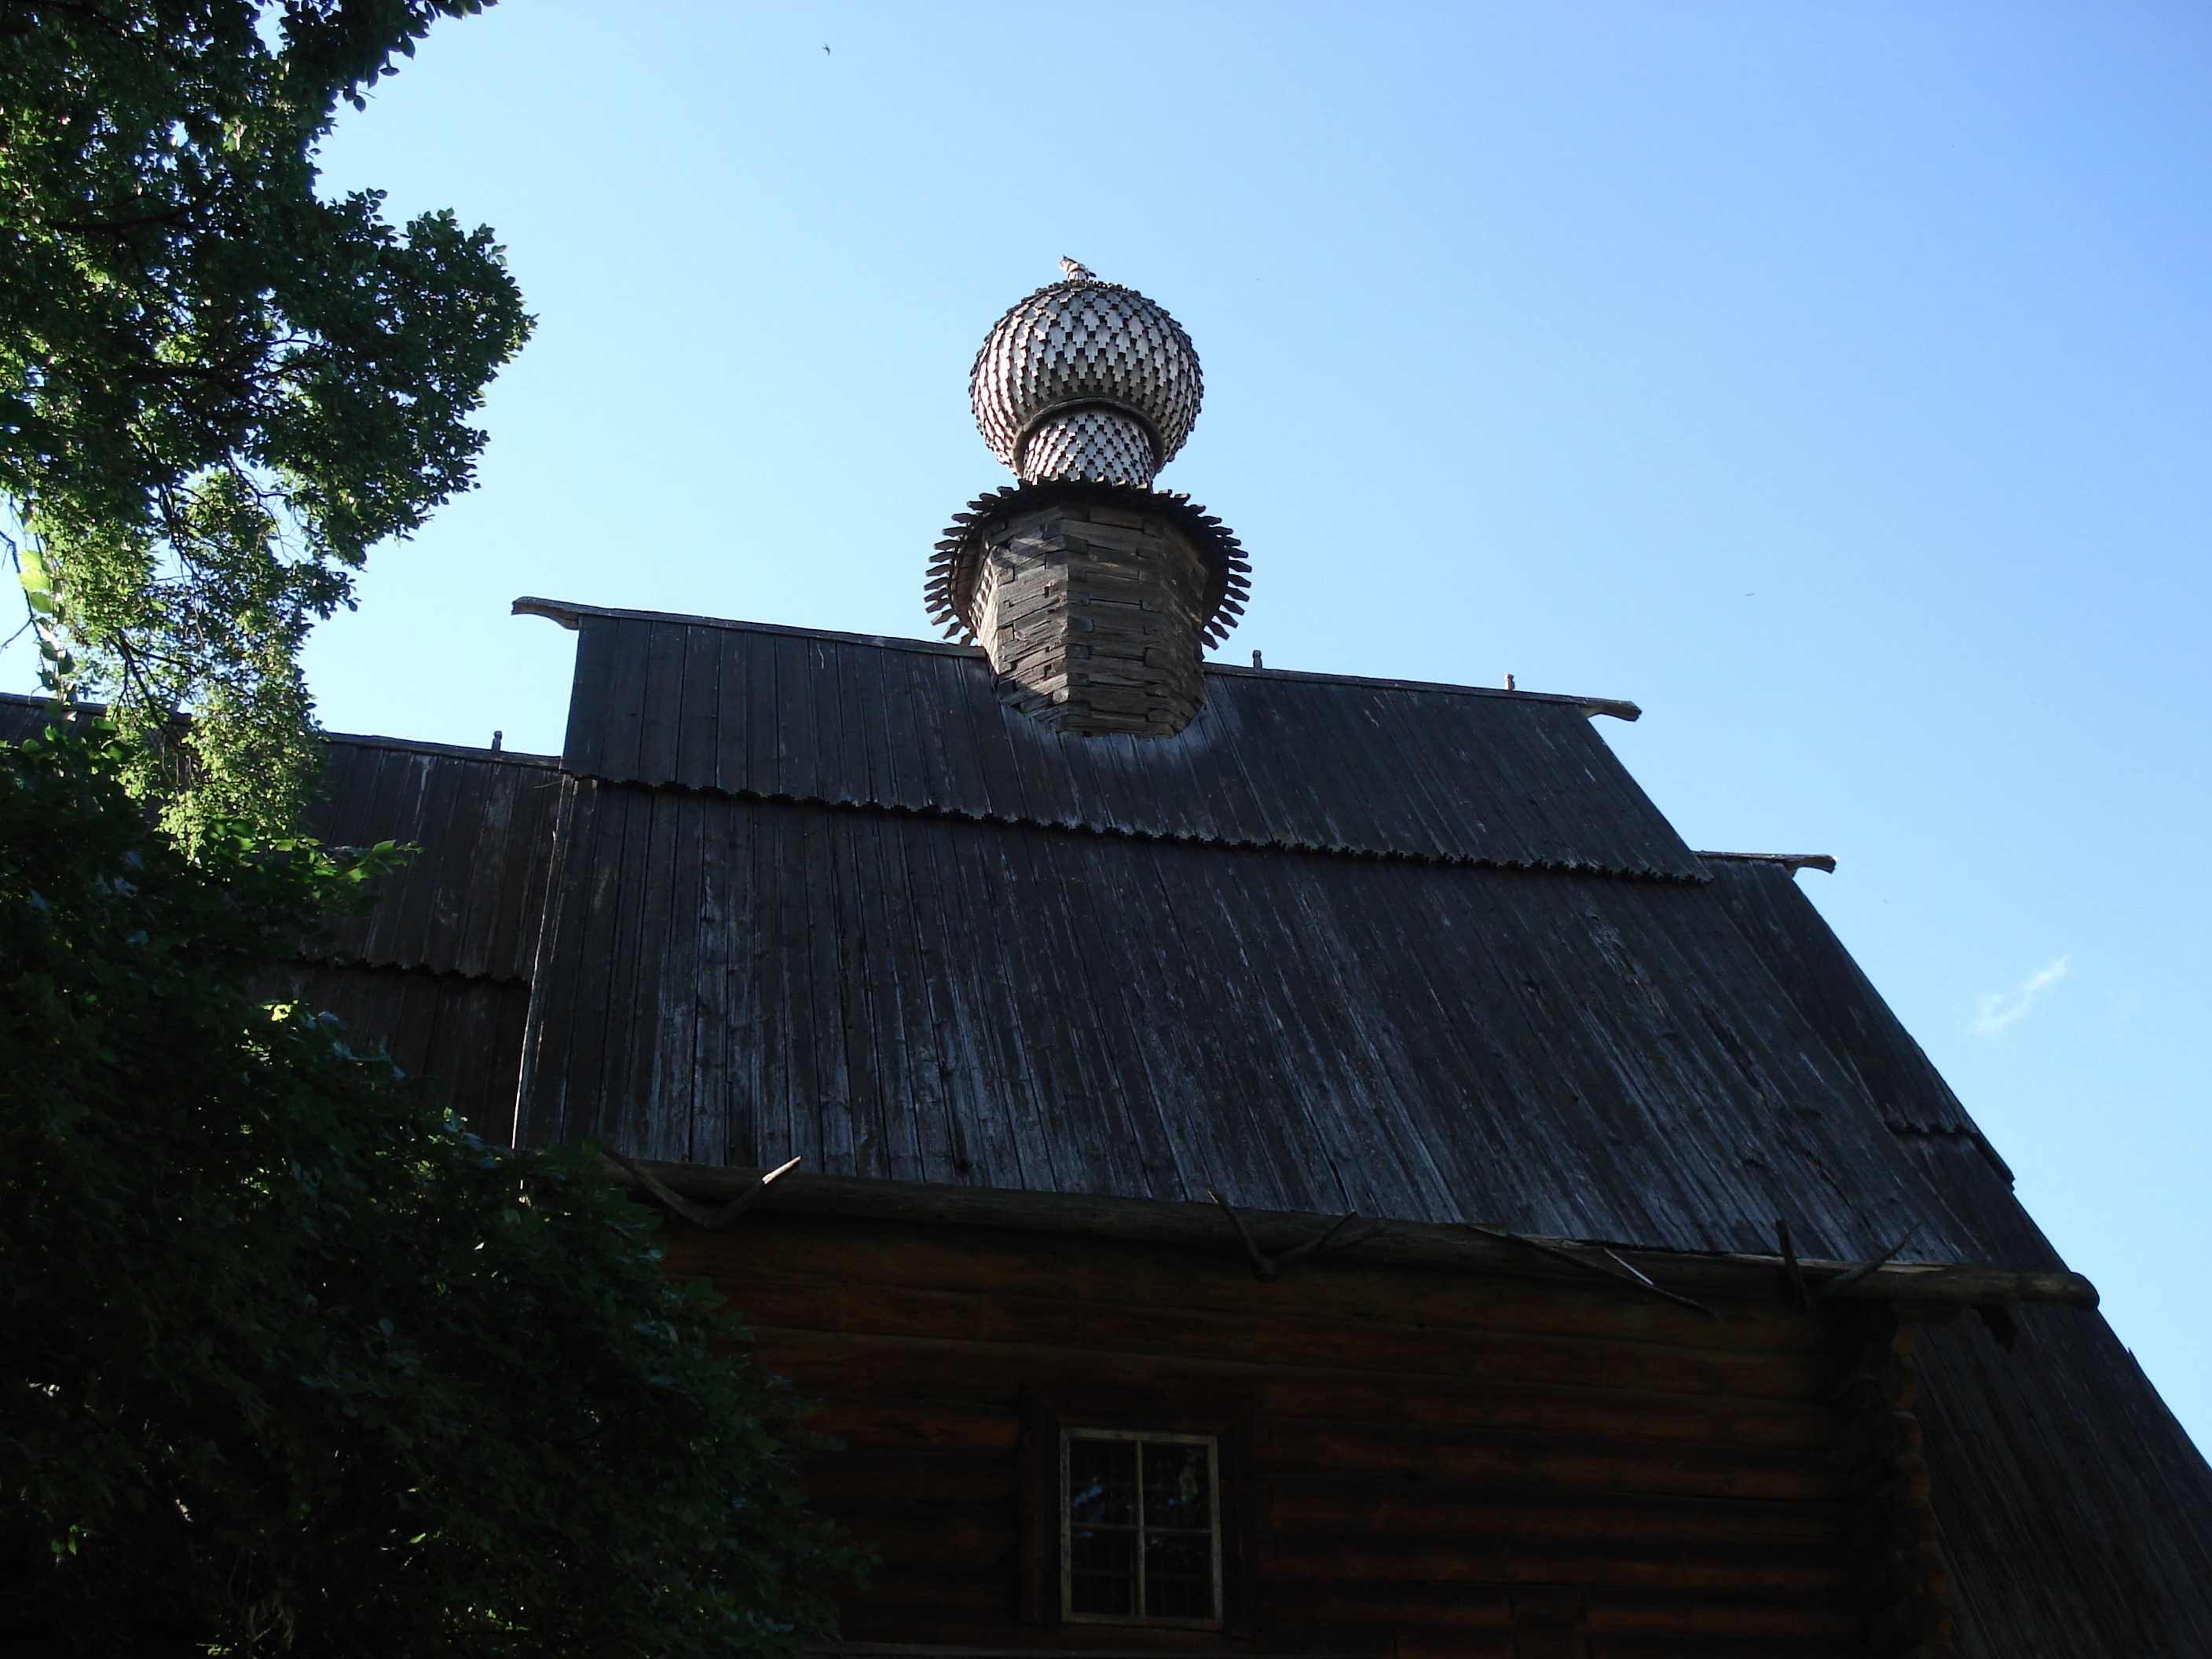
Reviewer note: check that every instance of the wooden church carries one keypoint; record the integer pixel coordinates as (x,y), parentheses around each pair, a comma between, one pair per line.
(1288,1163)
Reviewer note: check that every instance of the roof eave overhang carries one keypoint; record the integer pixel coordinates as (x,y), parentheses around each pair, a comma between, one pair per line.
(1403,1243)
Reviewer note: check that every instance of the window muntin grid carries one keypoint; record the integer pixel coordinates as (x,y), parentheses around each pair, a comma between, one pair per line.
(1140,1527)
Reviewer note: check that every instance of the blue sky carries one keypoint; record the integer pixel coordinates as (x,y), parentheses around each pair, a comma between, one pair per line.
(1835,382)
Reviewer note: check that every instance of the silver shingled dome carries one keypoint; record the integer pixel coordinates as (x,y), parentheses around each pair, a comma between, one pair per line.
(1085,379)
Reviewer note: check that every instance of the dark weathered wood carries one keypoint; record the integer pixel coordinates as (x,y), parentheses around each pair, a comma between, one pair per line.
(1331,1072)
(1106,1269)
(1334,1503)
(462,1037)
(1093,616)
(1324,762)
(1478,1457)
(713,1217)
(841,1367)
(1407,1243)
(571,616)
(2068,1429)
(1510,1558)
(1075,1327)
(1778,922)
(469,901)
(1385,1488)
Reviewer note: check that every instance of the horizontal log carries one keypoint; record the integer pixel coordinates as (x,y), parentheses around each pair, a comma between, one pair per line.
(1389,1600)
(921,1538)
(1491,1560)
(1497,1463)
(836,1480)
(990,1430)
(1543,1538)
(1414,1642)
(877,1631)
(1408,1243)
(1100,1270)
(1715,1647)
(1605,1413)
(1353,1345)
(917,1380)
(984,1588)
(1449,1641)
(1334,1502)
(1743,1614)
(1689,1614)
(1548,1464)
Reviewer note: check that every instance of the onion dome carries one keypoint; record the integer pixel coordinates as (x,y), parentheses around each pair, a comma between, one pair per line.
(1085,379)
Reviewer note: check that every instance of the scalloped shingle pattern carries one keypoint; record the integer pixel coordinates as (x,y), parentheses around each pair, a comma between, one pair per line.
(1084,339)
(1088,443)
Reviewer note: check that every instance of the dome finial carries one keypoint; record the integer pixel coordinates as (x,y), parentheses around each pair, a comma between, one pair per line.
(1075,270)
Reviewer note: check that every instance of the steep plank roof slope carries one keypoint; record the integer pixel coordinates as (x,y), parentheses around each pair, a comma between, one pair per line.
(1426,951)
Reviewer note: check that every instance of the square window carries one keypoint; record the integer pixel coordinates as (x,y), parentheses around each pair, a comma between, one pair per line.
(1140,1527)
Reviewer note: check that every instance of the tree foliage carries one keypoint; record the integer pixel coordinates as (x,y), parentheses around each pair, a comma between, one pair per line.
(292,1363)
(217,389)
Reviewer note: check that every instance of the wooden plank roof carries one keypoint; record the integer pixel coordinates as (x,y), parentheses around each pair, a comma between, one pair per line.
(727,981)
(469,901)
(1780,924)
(1456,774)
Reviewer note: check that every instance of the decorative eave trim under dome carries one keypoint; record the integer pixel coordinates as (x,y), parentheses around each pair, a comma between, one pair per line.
(949,590)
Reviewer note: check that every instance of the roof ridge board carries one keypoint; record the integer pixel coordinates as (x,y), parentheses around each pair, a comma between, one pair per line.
(1619,707)
(567,613)
(1241,843)
(1796,862)
(450,750)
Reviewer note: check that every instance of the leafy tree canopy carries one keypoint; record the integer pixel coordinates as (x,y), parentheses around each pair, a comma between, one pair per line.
(292,1363)
(217,391)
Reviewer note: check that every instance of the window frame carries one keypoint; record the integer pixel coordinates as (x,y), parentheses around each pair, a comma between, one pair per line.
(1070,1432)
(1048,1407)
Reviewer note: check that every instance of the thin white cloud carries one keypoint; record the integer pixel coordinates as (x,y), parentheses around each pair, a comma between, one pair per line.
(2003,1008)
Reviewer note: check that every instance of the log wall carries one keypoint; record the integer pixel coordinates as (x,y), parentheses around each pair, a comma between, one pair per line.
(1437,1462)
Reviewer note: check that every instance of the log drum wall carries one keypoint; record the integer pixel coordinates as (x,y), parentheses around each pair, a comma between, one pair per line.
(1092,616)
(1433,1463)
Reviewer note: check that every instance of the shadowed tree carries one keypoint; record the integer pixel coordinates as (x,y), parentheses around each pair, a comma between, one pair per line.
(218,390)
(292,1363)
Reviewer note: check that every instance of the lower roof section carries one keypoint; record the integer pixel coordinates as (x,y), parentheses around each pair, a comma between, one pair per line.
(732,982)
(468,898)
(1779,924)
(2076,1515)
